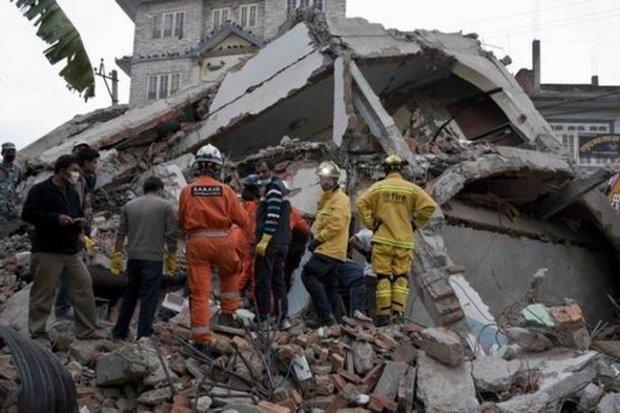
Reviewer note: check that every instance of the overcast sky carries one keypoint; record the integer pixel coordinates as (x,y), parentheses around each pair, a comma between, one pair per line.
(579,38)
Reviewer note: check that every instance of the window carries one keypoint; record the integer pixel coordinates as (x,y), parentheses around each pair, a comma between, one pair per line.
(581,128)
(602,128)
(292,5)
(220,16)
(163,85)
(166,25)
(558,127)
(247,15)
(571,128)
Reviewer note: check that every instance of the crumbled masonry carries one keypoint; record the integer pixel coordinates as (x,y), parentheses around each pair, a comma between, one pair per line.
(514,283)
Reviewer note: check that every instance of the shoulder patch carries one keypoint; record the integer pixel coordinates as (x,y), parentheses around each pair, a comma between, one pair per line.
(206,191)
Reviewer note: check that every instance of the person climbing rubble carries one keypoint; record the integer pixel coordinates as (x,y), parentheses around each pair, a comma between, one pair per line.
(10,178)
(208,209)
(249,201)
(393,208)
(150,225)
(328,245)
(273,234)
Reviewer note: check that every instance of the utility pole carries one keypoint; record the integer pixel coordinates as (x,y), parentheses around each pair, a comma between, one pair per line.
(113,77)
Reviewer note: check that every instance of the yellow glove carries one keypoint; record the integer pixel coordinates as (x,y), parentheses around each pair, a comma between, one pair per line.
(88,243)
(171,263)
(116,265)
(261,247)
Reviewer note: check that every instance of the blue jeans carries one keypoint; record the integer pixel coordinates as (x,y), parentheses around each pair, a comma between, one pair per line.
(144,282)
(351,283)
(320,277)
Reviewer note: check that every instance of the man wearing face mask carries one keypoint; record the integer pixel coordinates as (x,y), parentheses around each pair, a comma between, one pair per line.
(329,245)
(10,177)
(54,208)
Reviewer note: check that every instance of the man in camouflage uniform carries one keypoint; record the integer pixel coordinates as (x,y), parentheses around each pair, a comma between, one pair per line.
(10,177)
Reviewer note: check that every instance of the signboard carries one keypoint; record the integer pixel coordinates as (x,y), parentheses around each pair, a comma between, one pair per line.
(599,146)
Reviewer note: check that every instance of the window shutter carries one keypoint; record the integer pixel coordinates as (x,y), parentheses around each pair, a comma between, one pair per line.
(174,83)
(157,26)
(178,26)
(168,24)
(244,16)
(216,19)
(163,86)
(152,88)
(252,17)
(225,17)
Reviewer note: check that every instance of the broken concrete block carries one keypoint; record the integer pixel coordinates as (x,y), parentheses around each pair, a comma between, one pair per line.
(445,389)
(84,352)
(324,385)
(203,404)
(568,317)
(127,364)
(390,379)
(529,340)
(267,407)
(538,314)
(610,403)
(363,357)
(155,397)
(380,404)
(590,396)
(494,374)
(337,361)
(443,345)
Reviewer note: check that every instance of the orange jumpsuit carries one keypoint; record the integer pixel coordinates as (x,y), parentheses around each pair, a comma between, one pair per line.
(246,277)
(208,209)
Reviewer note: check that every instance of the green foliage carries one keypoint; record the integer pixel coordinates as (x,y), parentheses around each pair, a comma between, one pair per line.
(55,28)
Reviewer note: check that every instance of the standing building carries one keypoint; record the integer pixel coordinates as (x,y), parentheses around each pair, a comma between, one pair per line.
(178,43)
(585,117)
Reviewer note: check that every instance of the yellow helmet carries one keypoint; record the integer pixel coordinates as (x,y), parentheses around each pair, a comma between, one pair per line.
(328,169)
(393,160)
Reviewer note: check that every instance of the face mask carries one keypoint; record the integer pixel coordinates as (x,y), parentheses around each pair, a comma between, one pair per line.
(74,177)
(326,186)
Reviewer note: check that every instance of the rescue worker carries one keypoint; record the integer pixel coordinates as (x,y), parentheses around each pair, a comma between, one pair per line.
(393,208)
(613,193)
(10,178)
(249,201)
(329,245)
(208,209)
(273,234)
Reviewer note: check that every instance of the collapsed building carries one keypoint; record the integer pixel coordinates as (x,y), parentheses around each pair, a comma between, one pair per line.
(512,209)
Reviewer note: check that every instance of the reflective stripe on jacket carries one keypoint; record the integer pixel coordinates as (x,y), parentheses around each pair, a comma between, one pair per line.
(331,228)
(389,206)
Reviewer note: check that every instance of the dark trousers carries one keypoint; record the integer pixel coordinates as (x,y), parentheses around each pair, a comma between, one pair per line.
(270,282)
(320,277)
(351,283)
(143,282)
(295,253)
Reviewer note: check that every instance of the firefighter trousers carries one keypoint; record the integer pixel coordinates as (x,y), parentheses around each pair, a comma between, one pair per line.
(392,266)
(203,255)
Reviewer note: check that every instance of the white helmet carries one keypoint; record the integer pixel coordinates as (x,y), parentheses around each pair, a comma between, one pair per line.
(210,154)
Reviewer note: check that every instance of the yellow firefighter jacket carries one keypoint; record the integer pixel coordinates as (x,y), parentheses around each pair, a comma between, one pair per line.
(389,206)
(331,228)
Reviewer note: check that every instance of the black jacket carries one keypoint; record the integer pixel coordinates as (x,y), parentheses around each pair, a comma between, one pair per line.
(44,205)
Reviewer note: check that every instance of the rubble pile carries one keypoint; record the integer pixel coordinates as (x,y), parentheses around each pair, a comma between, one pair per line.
(349,367)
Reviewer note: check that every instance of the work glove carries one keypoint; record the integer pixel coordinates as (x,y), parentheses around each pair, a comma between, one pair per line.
(313,244)
(171,263)
(116,265)
(261,247)
(88,243)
